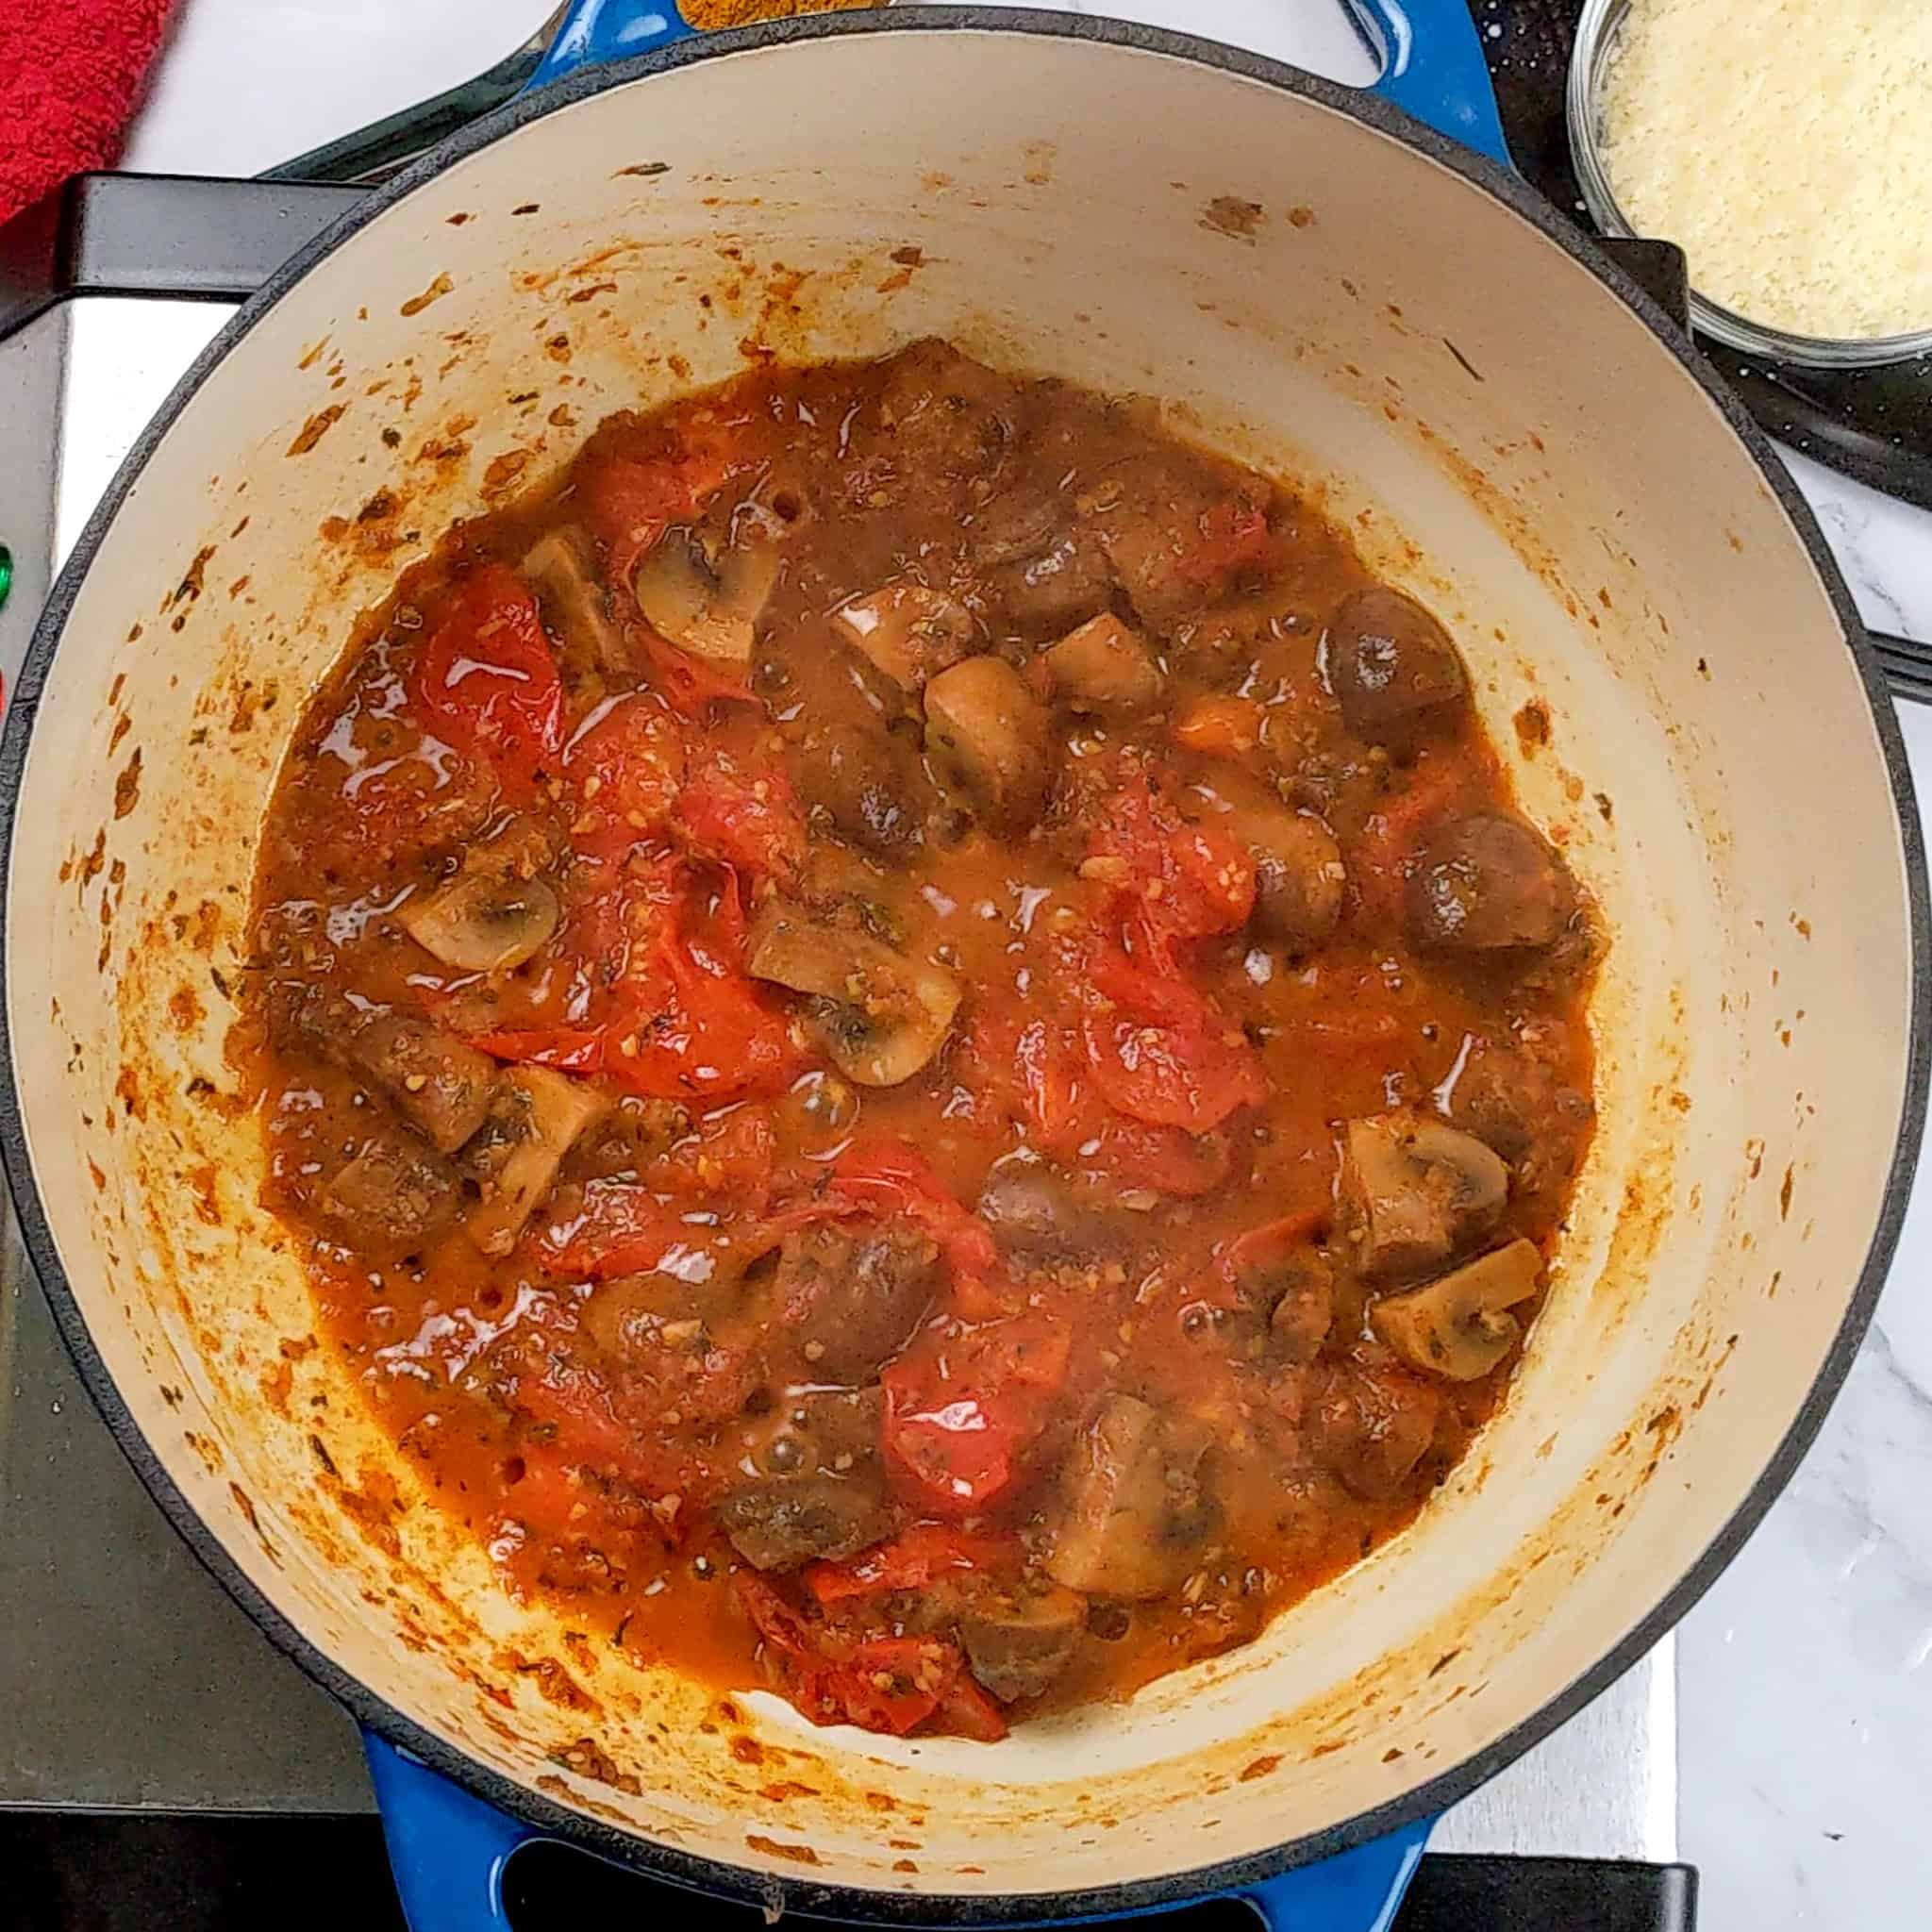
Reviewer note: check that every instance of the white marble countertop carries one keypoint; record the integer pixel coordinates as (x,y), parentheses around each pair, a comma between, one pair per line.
(1805,1689)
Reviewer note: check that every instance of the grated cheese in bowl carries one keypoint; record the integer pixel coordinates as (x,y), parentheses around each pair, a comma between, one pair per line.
(1786,146)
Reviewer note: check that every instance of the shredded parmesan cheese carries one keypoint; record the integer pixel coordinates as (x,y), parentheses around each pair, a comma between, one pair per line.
(1786,146)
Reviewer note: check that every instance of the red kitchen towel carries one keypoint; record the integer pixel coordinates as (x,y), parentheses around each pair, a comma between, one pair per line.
(71,73)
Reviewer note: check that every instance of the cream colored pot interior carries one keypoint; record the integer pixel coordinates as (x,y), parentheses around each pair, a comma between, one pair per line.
(1503,438)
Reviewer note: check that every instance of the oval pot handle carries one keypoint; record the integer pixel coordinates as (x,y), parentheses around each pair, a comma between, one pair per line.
(1354,1891)
(594,31)
(1433,68)
(446,1848)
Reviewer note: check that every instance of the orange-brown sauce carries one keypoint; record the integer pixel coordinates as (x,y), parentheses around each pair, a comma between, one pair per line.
(537,1389)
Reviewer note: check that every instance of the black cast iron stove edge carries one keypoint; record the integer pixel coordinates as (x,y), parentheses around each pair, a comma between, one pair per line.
(188,236)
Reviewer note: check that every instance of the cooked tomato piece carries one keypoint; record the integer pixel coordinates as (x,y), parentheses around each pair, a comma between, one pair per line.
(1164,1160)
(965,1710)
(1232,537)
(889,1683)
(625,1227)
(568,1049)
(1259,1250)
(704,1031)
(891,1177)
(626,768)
(629,502)
(1159,1050)
(487,681)
(1181,881)
(750,821)
(912,1560)
(965,1404)
(1190,1075)
(731,1153)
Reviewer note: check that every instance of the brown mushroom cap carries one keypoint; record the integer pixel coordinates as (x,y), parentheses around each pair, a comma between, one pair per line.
(1459,1326)
(910,633)
(989,741)
(711,609)
(881,1015)
(485,920)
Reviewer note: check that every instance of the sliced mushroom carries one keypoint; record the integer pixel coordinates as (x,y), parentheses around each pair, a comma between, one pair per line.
(1418,1189)
(1392,668)
(1041,1218)
(1134,1507)
(1105,666)
(637,1319)
(818,1432)
(560,564)
(535,1122)
(396,1193)
(849,1302)
(881,1015)
(781,1521)
(1015,526)
(483,923)
(1460,1325)
(1299,877)
(442,1085)
(1371,1426)
(990,742)
(908,632)
(1018,1644)
(709,608)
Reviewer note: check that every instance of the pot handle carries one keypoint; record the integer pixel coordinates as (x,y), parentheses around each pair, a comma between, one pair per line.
(594,31)
(1360,1891)
(447,1849)
(1433,68)
(1432,62)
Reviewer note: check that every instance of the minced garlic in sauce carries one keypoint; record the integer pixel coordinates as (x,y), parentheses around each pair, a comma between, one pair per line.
(1787,145)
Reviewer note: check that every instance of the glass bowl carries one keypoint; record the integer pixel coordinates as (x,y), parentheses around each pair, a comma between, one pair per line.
(1596,34)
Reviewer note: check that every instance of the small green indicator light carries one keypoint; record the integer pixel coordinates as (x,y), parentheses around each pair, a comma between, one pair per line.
(6,573)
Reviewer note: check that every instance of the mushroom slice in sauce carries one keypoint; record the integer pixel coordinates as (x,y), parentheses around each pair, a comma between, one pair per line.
(990,742)
(397,1192)
(778,1523)
(1105,666)
(1019,1644)
(1299,877)
(881,1015)
(1134,1510)
(442,1085)
(1418,1189)
(490,918)
(535,1122)
(561,566)
(711,609)
(910,633)
(1459,1325)
(1040,1217)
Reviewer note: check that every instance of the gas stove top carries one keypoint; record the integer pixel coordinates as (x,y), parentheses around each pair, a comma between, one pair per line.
(129,1684)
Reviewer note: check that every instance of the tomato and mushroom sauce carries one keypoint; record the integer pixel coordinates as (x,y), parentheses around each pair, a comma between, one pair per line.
(917,1050)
